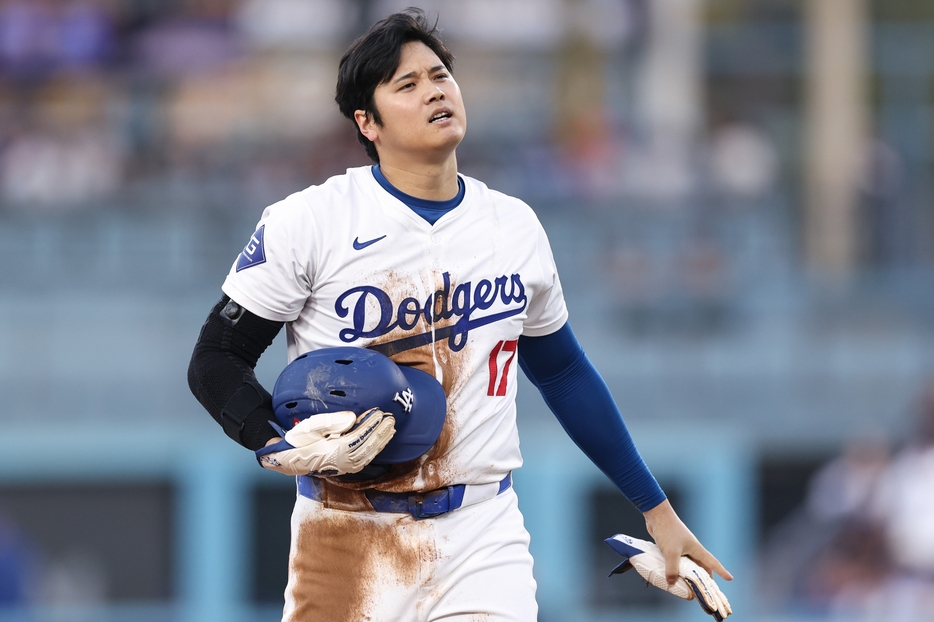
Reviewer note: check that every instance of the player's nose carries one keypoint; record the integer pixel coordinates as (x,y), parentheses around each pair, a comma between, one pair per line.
(435,95)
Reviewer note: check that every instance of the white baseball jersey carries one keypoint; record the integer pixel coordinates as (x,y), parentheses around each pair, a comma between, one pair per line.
(348,264)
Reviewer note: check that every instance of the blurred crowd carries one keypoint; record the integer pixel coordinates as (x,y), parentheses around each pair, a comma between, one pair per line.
(31,576)
(98,94)
(17,565)
(862,545)
(103,97)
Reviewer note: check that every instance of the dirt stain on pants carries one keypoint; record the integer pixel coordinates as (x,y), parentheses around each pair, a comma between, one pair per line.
(342,562)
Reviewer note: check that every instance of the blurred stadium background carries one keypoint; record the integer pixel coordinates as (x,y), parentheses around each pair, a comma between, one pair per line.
(739,194)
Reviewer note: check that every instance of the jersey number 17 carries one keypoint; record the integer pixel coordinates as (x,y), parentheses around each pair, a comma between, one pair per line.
(504,351)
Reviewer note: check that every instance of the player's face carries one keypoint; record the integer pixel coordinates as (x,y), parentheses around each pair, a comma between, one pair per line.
(421,109)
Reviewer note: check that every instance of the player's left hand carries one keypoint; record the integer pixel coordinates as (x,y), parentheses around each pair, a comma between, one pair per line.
(692,580)
(674,539)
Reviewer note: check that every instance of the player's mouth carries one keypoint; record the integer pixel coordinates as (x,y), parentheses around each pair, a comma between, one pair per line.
(441,115)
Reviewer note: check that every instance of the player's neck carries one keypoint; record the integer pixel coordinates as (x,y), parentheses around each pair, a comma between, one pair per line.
(435,182)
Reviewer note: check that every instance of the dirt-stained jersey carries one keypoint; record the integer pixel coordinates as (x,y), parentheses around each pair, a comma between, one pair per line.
(346,263)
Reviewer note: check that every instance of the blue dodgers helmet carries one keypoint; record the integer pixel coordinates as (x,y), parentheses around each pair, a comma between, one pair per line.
(357,379)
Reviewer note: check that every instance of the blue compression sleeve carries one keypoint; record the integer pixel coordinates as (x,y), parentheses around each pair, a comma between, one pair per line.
(577,395)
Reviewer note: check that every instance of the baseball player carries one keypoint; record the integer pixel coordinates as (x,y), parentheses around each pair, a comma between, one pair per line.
(437,271)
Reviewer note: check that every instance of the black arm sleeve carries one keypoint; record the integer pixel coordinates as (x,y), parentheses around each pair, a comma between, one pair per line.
(221,376)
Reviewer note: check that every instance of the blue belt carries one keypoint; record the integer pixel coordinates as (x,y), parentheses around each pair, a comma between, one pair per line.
(418,504)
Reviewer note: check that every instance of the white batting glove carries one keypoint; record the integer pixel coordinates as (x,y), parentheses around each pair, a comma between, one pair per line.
(693,581)
(329,444)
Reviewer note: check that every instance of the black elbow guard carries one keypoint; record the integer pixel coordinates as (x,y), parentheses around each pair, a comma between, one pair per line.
(221,376)
(240,406)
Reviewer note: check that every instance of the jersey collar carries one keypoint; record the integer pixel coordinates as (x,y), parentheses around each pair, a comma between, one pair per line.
(431,211)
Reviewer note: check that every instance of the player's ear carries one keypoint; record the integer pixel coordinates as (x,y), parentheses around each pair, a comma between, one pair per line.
(367,124)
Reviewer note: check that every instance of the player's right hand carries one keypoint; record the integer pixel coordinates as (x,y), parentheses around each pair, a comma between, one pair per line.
(330,444)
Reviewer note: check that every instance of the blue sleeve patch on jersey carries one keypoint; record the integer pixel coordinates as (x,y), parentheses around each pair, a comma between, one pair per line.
(253,253)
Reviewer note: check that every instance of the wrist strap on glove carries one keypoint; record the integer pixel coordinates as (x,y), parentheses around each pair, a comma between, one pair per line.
(277,446)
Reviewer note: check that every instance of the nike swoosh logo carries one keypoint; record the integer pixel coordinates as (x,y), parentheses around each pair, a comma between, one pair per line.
(359,246)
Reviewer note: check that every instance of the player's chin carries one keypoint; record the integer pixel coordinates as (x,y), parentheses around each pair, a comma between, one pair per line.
(449,136)
(455,125)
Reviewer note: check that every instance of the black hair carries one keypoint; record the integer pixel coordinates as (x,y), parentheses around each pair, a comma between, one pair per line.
(374,57)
